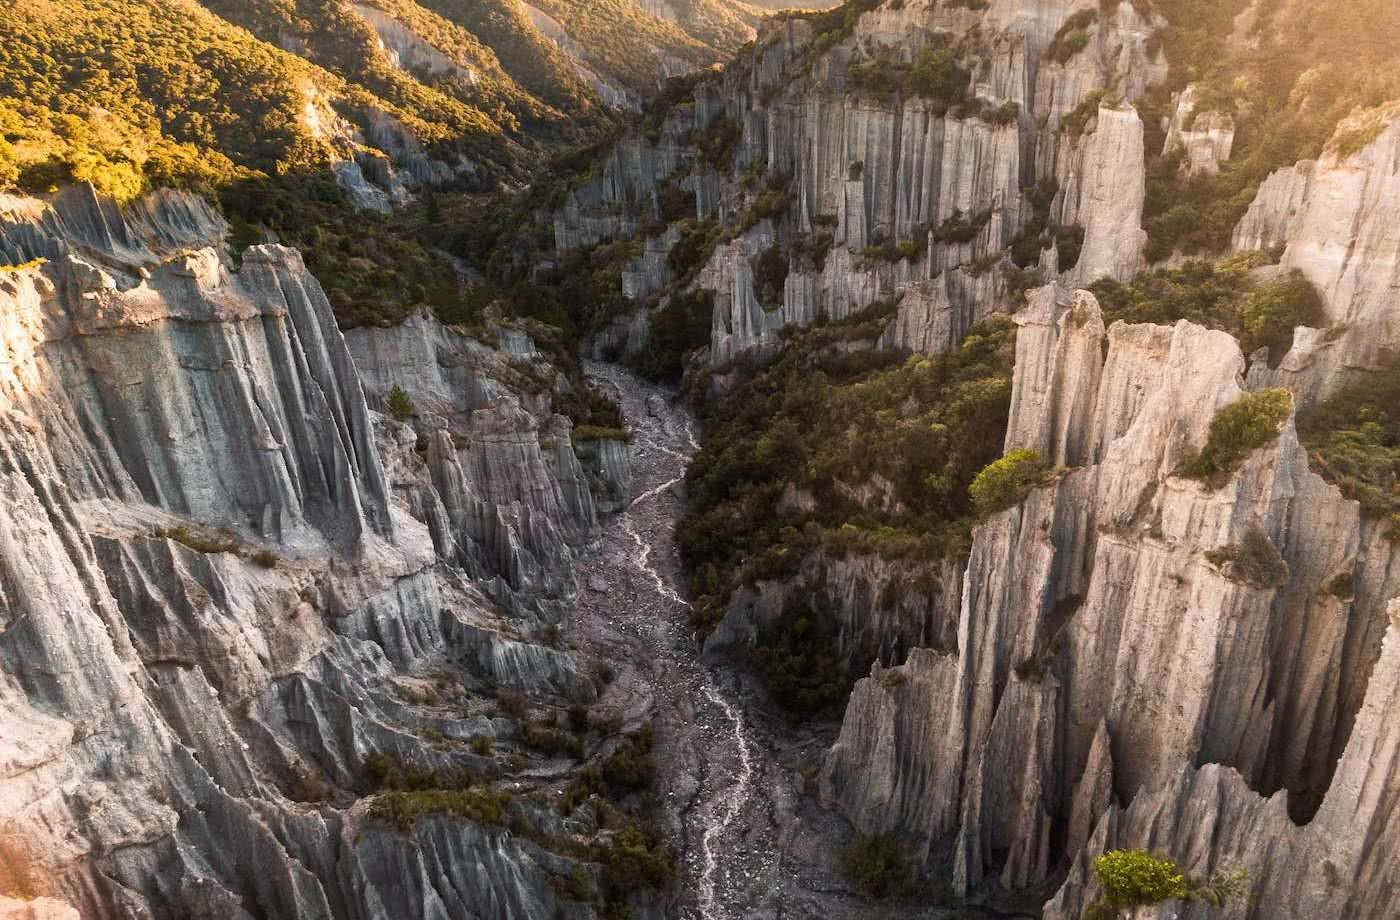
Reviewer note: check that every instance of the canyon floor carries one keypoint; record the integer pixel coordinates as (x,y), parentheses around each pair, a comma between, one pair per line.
(733,777)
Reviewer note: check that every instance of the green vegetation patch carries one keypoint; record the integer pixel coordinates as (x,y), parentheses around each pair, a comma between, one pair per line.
(1307,67)
(1223,297)
(1353,441)
(798,659)
(1007,481)
(886,447)
(1133,878)
(878,866)
(1255,561)
(1238,430)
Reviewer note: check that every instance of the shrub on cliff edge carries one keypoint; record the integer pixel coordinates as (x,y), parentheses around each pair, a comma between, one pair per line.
(1237,431)
(1004,482)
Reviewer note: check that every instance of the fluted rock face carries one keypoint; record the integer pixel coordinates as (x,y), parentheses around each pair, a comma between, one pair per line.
(221,570)
(1103,189)
(1101,649)
(882,609)
(1341,864)
(1334,219)
(881,174)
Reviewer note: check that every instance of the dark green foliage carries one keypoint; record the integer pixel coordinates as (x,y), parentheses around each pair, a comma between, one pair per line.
(800,664)
(935,73)
(1201,292)
(552,742)
(1236,432)
(690,253)
(1353,441)
(1218,297)
(719,142)
(631,767)
(1255,561)
(826,421)
(676,330)
(1076,121)
(770,271)
(399,404)
(1072,37)
(1006,481)
(635,859)
(403,810)
(1271,312)
(878,866)
(674,203)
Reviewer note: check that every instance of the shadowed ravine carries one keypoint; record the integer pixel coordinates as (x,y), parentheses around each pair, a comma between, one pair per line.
(633,611)
(750,844)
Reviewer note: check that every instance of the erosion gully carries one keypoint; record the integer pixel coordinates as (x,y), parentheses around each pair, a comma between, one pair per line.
(731,776)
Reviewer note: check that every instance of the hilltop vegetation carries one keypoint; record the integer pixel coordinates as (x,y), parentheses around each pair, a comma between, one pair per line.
(134,94)
(1301,69)
(620,39)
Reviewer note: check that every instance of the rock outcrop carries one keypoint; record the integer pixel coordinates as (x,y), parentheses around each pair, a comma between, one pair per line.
(226,579)
(1333,220)
(1105,642)
(903,196)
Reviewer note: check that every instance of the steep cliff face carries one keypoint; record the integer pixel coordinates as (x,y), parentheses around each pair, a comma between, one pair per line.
(1103,644)
(1342,863)
(228,581)
(901,191)
(1331,219)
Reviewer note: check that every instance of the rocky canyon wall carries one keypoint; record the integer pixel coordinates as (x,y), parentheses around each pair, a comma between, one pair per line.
(230,577)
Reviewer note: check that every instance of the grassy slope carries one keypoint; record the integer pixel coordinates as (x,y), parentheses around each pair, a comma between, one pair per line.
(531,59)
(625,42)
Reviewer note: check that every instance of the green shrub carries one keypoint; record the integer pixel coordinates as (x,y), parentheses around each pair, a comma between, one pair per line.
(1271,312)
(799,662)
(1238,430)
(877,866)
(719,142)
(1255,561)
(1005,482)
(1202,292)
(399,404)
(631,767)
(770,272)
(635,859)
(210,544)
(693,249)
(403,810)
(676,330)
(1072,37)
(1132,878)
(512,703)
(1076,120)
(1353,441)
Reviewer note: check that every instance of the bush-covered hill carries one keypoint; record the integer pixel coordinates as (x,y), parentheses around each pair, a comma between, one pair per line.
(133,94)
(1290,71)
(620,39)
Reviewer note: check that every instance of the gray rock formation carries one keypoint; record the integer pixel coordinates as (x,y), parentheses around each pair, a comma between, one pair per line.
(1333,220)
(883,176)
(226,580)
(1102,648)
